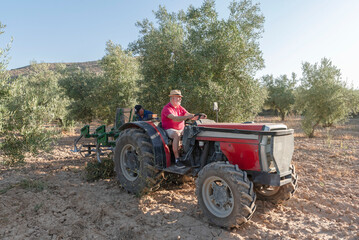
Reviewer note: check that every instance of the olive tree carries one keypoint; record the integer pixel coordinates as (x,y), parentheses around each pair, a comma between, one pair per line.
(280,93)
(4,77)
(208,58)
(353,96)
(96,96)
(4,53)
(82,88)
(119,88)
(322,97)
(34,101)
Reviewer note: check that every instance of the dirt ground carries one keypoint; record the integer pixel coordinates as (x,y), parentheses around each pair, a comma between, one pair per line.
(49,198)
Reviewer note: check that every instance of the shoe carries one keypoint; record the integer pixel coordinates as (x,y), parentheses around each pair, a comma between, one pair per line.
(179,164)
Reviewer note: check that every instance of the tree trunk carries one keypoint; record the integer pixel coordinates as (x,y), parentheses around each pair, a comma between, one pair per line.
(311,135)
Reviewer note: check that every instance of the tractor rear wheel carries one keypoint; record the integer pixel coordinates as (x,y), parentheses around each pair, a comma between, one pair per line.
(225,194)
(278,194)
(134,162)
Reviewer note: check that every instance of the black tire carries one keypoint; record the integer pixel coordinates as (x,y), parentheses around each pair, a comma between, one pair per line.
(277,195)
(225,194)
(134,162)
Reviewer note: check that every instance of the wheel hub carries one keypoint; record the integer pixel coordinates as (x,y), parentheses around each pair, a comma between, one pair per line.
(129,162)
(218,197)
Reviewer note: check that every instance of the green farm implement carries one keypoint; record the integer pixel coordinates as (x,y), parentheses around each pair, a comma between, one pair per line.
(100,141)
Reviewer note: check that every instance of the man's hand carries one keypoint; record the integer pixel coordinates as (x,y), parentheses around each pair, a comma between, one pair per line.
(200,116)
(190,116)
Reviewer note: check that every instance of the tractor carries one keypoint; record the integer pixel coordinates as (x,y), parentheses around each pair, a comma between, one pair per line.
(233,163)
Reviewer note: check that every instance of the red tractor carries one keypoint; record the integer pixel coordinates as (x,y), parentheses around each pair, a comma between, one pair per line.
(234,164)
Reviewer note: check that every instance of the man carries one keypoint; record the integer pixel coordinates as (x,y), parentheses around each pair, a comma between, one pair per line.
(142,114)
(173,116)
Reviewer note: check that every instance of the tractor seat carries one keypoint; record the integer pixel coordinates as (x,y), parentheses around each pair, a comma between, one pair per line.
(167,139)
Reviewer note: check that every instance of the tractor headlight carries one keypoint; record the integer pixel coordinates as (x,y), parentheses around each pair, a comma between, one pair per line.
(266,149)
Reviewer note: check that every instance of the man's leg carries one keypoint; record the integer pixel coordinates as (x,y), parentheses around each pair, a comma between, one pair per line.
(175,135)
(175,143)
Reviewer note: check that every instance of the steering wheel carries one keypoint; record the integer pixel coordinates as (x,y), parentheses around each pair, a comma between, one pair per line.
(199,115)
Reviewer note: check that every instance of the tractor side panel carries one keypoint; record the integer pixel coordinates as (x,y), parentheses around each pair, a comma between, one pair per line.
(239,148)
(244,155)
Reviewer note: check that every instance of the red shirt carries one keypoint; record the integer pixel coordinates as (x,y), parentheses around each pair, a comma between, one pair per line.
(168,123)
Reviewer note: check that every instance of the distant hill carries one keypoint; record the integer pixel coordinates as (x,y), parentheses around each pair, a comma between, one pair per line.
(91,66)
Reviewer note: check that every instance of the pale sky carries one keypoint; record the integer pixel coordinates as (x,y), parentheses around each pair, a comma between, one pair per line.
(306,31)
(75,31)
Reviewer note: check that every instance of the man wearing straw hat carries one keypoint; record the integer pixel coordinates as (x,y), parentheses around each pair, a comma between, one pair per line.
(173,116)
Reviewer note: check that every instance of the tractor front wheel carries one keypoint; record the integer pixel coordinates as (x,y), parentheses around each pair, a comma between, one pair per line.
(277,195)
(225,194)
(134,162)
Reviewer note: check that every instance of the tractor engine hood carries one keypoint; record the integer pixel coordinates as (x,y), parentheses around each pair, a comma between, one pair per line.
(264,148)
(244,126)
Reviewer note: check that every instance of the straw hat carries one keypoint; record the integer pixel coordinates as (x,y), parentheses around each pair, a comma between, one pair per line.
(175,93)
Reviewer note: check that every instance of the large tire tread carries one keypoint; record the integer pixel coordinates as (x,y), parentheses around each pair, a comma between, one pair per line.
(285,192)
(241,187)
(149,177)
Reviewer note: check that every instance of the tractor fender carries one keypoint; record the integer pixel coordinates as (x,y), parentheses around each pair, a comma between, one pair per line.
(158,139)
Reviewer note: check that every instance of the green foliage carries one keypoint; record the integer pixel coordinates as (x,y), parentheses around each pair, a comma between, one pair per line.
(103,170)
(280,93)
(208,58)
(4,78)
(82,87)
(32,185)
(4,54)
(33,102)
(322,97)
(121,73)
(353,96)
(98,96)
(28,184)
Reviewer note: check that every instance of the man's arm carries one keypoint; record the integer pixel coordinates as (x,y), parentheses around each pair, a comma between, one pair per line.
(180,118)
(147,114)
(203,116)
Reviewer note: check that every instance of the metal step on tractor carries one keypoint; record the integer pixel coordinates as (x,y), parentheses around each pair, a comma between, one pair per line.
(233,163)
